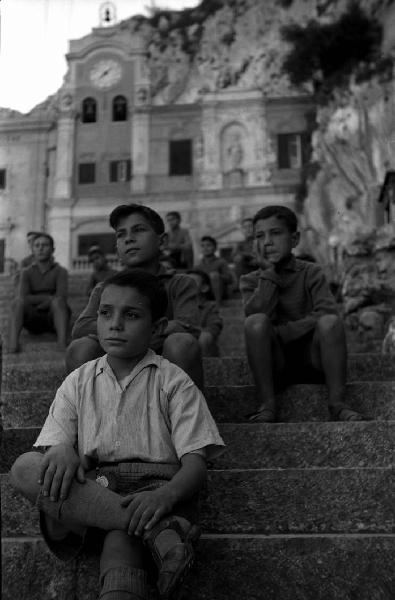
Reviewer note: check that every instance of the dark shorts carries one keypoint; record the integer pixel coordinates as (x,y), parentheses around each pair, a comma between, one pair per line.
(298,364)
(37,320)
(122,478)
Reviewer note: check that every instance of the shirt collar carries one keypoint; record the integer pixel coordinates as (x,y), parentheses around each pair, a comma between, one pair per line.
(150,358)
(50,266)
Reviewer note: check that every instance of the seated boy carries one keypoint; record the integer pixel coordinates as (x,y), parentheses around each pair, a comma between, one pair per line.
(139,232)
(101,270)
(41,298)
(216,268)
(243,255)
(292,330)
(211,322)
(179,243)
(126,442)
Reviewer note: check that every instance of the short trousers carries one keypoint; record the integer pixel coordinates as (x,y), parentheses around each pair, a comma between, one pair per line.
(298,365)
(37,320)
(122,478)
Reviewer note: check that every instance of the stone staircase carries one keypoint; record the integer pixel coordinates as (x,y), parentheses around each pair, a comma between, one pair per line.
(298,510)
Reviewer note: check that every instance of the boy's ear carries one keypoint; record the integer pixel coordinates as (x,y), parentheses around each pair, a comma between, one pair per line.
(160,325)
(295,238)
(162,240)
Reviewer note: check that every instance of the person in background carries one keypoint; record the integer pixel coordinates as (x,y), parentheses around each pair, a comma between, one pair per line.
(28,260)
(41,299)
(292,328)
(138,232)
(179,243)
(211,322)
(216,268)
(243,254)
(133,497)
(101,270)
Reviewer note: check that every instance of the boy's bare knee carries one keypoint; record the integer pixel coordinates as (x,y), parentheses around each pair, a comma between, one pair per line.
(214,276)
(25,470)
(81,351)
(182,344)
(257,324)
(329,324)
(57,302)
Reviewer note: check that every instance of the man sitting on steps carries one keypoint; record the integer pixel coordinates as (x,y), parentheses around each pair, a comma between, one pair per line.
(292,330)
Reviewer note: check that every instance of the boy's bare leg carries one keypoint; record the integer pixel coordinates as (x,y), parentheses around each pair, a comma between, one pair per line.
(265,357)
(122,572)
(60,317)
(183,350)
(329,354)
(16,325)
(216,284)
(81,351)
(207,344)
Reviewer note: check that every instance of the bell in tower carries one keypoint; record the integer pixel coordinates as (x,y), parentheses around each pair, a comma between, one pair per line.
(107,14)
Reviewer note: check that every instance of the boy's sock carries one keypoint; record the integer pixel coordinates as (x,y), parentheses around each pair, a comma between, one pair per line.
(124,583)
(88,504)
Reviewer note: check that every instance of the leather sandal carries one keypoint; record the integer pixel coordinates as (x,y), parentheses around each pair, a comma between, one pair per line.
(341,412)
(177,562)
(266,415)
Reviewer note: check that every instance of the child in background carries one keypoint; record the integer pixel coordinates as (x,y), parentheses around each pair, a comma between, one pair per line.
(41,298)
(216,268)
(179,243)
(101,270)
(292,329)
(210,320)
(126,443)
(243,253)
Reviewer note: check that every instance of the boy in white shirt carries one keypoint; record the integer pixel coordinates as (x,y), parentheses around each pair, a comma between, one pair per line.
(126,442)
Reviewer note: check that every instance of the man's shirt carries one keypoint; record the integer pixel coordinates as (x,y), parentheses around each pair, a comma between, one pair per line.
(53,281)
(156,414)
(211,264)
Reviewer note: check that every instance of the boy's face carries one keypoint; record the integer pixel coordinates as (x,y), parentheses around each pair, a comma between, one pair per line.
(42,249)
(208,249)
(124,322)
(274,241)
(172,221)
(137,243)
(98,261)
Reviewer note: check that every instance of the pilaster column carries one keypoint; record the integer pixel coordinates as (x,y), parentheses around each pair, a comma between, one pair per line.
(140,149)
(65,148)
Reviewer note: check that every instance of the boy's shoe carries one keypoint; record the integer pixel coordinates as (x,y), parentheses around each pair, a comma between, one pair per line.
(265,415)
(177,562)
(342,412)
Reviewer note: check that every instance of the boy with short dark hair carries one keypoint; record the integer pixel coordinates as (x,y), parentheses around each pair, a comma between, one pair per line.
(101,270)
(139,233)
(179,243)
(216,268)
(211,322)
(126,442)
(41,299)
(292,329)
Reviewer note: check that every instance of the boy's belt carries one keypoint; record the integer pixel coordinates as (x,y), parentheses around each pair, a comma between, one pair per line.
(124,476)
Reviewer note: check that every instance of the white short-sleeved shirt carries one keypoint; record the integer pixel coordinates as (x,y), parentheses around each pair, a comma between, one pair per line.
(156,414)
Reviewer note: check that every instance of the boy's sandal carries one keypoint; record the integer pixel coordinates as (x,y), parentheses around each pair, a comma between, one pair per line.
(341,412)
(266,415)
(177,562)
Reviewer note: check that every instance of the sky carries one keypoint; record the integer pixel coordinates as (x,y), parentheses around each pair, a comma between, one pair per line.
(34,41)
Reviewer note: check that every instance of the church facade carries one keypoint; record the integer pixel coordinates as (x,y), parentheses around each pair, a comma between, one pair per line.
(102,140)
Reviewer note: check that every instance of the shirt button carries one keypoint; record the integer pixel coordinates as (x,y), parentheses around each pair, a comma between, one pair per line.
(117,444)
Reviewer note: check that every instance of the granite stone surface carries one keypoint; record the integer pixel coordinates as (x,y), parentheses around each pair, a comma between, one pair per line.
(227,568)
(269,502)
(14,442)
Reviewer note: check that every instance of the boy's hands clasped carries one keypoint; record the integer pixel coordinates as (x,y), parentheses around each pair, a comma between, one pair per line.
(59,466)
(147,508)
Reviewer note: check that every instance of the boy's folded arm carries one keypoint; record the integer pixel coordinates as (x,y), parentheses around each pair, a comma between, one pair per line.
(323,304)
(87,321)
(259,292)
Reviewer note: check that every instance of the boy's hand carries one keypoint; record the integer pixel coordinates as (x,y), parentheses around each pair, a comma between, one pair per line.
(147,508)
(59,466)
(260,258)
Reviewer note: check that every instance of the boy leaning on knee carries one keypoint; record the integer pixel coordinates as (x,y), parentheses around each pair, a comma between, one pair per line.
(126,442)
(292,330)
(139,232)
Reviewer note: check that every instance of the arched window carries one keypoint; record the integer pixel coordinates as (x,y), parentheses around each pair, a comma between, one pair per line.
(89,110)
(119,109)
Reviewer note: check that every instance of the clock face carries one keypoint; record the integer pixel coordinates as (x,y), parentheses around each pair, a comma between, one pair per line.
(105,73)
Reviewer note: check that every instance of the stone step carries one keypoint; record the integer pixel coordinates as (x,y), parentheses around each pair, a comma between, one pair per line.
(230,404)
(229,567)
(267,501)
(272,446)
